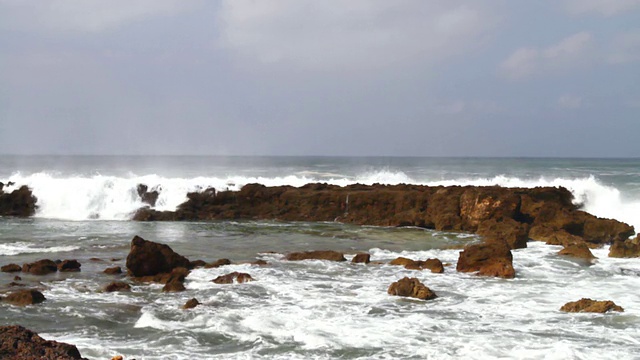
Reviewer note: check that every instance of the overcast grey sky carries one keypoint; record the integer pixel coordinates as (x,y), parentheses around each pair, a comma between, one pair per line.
(321,77)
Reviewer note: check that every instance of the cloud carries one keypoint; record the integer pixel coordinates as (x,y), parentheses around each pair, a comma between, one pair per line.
(569,101)
(625,48)
(602,7)
(568,53)
(83,15)
(355,34)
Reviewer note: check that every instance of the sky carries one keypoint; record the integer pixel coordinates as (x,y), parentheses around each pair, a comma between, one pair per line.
(539,78)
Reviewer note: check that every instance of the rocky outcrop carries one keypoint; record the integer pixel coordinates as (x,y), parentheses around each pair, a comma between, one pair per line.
(40,267)
(18,343)
(148,197)
(25,297)
(588,305)
(117,286)
(624,249)
(362,258)
(9,268)
(578,250)
(435,265)
(488,259)
(411,287)
(191,303)
(233,277)
(217,263)
(113,270)
(20,202)
(69,266)
(147,258)
(504,214)
(329,255)
(175,280)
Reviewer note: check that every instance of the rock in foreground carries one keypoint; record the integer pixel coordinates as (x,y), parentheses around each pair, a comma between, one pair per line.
(25,297)
(18,343)
(489,259)
(411,287)
(588,305)
(148,258)
(625,249)
(20,202)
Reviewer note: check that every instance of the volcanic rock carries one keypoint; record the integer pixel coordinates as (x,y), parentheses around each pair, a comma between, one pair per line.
(117,286)
(147,258)
(218,263)
(113,270)
(229,278)
(20,202)
(361,258)
(11,268)
(191,304)
(18,343)
(25,297)
(489,259)
(147,197)
(411,287)
(329,255)
(40,267)
(578,250)
(588,305)
(69,266)
(624,249)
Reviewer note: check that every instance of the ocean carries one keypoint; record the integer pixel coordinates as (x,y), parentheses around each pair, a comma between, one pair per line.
(312,309)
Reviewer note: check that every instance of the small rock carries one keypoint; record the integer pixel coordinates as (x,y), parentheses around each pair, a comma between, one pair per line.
(113,270)
(17,278)
(69,266)
(117,357)
(40,267)
(260,263)
(578,250)
(11,268)
(198,263)
(229,278)
(117,286)
(624,249)
(411,287)
(218,263)
(588,305)
(25,297)
(191,304)
(363,258)
(435,265)
(173,286)
(316,255)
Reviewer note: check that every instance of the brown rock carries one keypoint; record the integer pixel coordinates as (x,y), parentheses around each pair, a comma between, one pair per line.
(18,343)
(191,304)
(117,357)
(17,278)
(175,281)
(402,261)
(25,297)
(117,286)
(40,267)
(96,259)
(173,286)
(588,305)
(113,270)
(147,258)
(11,268)
(260,263)
(229,278)
(411,287)
(489,259)
(625,249)
(146,196)
(513,233)
(69,266)
(20,202)
(578,250)
(361,258)
(218,263)
(198,263)
(15,284)
(434,265)
(316,255)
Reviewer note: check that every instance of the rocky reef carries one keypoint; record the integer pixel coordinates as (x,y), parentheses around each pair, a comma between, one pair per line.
(19,202)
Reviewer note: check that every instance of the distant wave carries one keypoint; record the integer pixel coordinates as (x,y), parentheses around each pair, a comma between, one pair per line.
(115,198)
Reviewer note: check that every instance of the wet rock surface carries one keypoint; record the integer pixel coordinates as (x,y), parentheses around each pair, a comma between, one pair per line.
(69,266)
(233,277)
(9,268)
(588,305)
(117,286)
(625,249)
(19,202)
(316,255)
(488,259)
(411,287)
(19,343)
(362,258)
(25,297)
(191,303)
(40,267)
(147,258)
(578,250)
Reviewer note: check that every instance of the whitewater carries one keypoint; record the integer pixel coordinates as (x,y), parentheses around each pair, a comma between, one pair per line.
(312,309)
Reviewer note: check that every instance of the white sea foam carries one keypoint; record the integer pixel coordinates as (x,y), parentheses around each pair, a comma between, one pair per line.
(115,198)
(16,248)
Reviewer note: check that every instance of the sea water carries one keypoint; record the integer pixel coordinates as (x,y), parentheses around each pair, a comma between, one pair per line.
(312,309)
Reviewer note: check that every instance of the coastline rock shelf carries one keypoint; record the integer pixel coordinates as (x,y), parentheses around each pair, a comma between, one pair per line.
(498,214)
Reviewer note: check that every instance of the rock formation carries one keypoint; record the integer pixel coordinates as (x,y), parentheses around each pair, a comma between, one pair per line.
(489,259)
(146,196)
(40,267)
(25,297)
(234,276)
(316,255)
(363,258)
(18,343)
(588,305)
(577,250)
(191,303)
(9,268)
(411,287)
(117,286)
(20,202)
(147,258)
(69,266)
(624,249)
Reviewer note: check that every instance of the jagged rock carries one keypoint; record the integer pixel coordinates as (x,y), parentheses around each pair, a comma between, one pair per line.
(147,258)
(578,250)
(117,286)
(146,196)
(175,281)
(20,202)
(18,343)
(218,263)
(234,276)
(113,270)
(69,266)
(191,304)
(588,305)
(434,265)
(488,259)
(625,249)
(40,267)
(9,268)
(363,258)
(513,233)
(411,287)
(329,255)
(25,297)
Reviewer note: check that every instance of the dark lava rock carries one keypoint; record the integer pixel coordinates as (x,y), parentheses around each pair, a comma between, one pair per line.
(117,286)
(489,259)
(191,304)
(411,287)
(11,268)
(40,267)
(147,197)
(316,255)
(69,266)
(113,270)
(147,258)
(363,258)
(20,202)
(25,297)
(234,276)
(18,343)
(588,305)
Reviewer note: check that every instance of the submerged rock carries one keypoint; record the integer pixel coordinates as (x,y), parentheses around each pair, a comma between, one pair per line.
(234,276)
(9,268)
(16,342)
(217,263)
(25,297)
(625,249)
(40,267)
(175,280)
(411,287)
(69,266)
(362,258)
(191,304)
(113,270)
(147,258)
(492,259)
(435,265)
(329,255)
(588,305)
(117,286)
